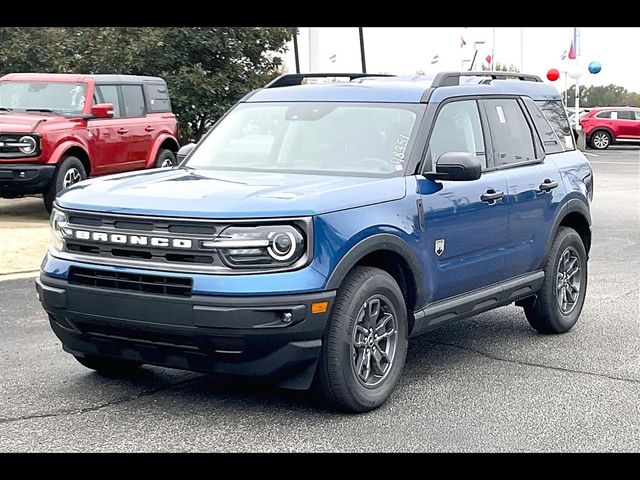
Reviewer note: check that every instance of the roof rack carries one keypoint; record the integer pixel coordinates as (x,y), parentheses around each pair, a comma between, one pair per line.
(292,79)
(446,79)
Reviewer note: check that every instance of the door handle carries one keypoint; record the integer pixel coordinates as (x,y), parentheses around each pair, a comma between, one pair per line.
(149,128)
(548,185)
(491,196)
(122,131)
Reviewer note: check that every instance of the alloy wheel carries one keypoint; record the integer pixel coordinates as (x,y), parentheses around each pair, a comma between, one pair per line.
(568,280)
(373,341)
(601,140)
(72,176)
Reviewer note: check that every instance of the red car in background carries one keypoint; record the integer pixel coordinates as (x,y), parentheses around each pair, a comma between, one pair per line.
(606,126)
(58,129)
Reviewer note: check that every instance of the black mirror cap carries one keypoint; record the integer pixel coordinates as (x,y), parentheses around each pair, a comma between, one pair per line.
(184,151)
(458,166)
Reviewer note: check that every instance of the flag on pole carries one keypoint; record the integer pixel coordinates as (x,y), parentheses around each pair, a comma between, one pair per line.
(333,58)
(488,59)
(564,55)
(462,42)
(434,59)
(572,52)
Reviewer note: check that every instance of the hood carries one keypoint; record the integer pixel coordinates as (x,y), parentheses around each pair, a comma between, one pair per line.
(228,194)
(22,122)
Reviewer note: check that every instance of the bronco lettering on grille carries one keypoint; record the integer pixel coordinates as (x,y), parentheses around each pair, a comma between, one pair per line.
(122,239)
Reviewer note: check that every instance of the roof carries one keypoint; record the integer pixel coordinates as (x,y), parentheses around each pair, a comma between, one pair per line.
(407,89)
(77,77)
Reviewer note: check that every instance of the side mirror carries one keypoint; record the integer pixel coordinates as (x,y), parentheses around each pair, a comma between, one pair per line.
(184,151)
(102,110)
(457,166)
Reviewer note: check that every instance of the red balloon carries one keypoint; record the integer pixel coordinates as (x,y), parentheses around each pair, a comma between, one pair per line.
(553,74)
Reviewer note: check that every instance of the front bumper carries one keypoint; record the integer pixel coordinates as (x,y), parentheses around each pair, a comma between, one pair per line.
(17,179)
(226,335)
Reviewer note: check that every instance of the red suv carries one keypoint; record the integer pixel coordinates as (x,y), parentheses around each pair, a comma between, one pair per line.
(56,129)
(604,126)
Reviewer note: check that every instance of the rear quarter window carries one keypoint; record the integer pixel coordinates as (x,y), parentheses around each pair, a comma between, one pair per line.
(556,115)
(551,142)
(158,98)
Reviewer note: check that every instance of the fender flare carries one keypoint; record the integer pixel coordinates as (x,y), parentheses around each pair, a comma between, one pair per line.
(606,129)
(380,241)
(59,151)
(156,147)
(571,206)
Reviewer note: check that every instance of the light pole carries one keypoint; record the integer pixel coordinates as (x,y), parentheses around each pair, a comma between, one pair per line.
(475,52)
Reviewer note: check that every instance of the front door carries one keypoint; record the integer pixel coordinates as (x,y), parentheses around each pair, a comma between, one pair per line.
(105,139)
(465,223)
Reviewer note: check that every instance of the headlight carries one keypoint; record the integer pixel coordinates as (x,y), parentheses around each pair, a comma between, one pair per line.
(268,246)
(58,225)
(28,145)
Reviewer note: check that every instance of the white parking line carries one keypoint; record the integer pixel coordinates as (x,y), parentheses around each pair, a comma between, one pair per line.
(592,154)
(616,163)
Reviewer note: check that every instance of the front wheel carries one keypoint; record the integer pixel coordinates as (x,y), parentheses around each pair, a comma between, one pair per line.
(365,343)
(558,304)
(69,171)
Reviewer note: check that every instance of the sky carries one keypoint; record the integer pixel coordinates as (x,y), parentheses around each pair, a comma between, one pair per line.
(410,49)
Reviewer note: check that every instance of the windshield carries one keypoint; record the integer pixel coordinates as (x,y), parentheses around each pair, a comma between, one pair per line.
(310,137)
(42,96)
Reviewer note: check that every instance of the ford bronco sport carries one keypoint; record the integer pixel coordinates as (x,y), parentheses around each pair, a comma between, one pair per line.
(317,227)
(56,130)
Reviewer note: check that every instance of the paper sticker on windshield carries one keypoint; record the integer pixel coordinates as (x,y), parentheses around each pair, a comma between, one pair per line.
(567,141)
(398,151)
(500,114)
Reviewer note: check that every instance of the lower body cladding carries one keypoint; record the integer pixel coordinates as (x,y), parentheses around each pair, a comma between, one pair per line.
(268,336)
(19,179)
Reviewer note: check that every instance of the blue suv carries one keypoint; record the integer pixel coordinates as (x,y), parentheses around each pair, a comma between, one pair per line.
(320,225)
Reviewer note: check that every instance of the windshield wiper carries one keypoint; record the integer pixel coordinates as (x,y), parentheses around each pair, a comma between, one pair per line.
(6,109)
(43,110)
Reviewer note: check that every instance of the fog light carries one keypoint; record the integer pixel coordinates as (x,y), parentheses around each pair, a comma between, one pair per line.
(287,317)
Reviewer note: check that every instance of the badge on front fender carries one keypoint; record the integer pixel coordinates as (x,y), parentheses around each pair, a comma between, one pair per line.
(439,246)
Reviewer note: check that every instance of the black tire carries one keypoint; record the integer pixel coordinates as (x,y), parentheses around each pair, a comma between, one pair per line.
(111,367)
(600,140)
(69,166)
(165,157)
(335,381)
(545,313)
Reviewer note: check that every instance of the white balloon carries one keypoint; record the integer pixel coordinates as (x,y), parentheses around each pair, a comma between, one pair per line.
(575,71)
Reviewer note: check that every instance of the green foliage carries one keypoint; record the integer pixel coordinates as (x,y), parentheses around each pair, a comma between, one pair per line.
(207,69)
(499,67)
(603,96)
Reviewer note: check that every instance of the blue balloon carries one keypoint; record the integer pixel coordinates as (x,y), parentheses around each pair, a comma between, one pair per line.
(595,67)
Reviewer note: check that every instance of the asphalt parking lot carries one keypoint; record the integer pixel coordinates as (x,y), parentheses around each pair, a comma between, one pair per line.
(488,383)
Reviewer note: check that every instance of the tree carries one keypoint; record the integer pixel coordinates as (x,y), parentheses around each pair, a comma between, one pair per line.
(500,67)
(603,96)
(207,69)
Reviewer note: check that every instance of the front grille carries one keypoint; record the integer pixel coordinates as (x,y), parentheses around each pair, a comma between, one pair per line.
(196,231)
(155,284)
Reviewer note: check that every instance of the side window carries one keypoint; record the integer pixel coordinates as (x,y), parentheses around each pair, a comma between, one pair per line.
(550,140)
(556,115)
(109,94)
(512,140)
(637,114)
(626,115)
(133,100)
(157,98)
(603,114)
(457,128)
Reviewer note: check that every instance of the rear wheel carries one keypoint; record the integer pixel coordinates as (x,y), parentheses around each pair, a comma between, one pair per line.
(365,343)
(108,366)
(600,140)
(165,158)
(69,171)
(558,304)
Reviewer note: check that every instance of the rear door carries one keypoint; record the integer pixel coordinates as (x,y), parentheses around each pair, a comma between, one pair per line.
(465,231)
(628,125)
(106,148)
(160,119)
(534,186)
(135,131)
